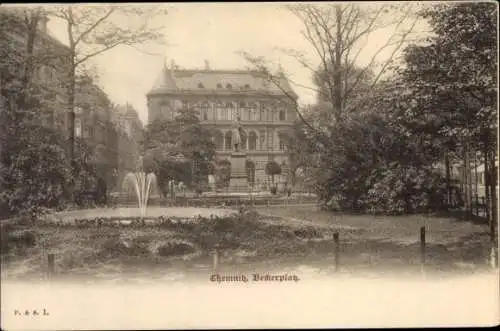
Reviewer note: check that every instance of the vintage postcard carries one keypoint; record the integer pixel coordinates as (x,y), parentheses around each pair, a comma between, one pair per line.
(249,165)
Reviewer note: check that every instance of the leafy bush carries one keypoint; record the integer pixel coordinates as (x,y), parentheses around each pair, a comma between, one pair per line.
(16,238)
(404,190)
(37,178)
(175,248)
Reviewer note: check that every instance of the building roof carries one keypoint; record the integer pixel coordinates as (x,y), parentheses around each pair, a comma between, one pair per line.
(127,110)
(218,81)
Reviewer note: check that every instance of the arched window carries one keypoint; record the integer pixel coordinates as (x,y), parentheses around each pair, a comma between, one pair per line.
(252,109)
(200,85)
(230,110)
(219,85)
(282,115)
(218,140)
(229,86)
(252,141)
(250,168)
(228,140)
(220,111)
(204,111)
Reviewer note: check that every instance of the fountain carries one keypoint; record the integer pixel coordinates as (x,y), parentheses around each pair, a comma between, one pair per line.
(142,184)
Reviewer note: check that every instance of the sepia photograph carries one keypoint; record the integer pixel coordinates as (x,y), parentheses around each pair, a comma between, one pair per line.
(229,165)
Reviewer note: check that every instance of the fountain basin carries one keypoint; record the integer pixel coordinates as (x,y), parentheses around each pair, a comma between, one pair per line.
(152,213)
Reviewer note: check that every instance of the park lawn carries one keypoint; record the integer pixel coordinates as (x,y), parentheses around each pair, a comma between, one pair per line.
(395,240)
(401,228)
(277,236)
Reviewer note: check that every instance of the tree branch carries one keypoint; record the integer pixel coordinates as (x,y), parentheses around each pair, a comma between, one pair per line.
(94,25)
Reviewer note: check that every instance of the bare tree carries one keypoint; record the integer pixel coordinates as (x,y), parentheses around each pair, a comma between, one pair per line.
(338,34)
(95,29)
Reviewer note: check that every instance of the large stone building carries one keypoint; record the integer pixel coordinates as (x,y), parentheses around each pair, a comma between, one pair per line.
(266,110)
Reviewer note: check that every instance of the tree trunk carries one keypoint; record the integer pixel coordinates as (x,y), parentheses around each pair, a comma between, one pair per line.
(448,179)
(71,115)
(476,183)
(487,185)
(337,75)
(493,188)
(31,21)
(469,181)
(465,182)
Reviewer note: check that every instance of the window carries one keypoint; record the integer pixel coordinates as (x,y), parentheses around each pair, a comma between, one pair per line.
(262,112)
(78,127)
(228,140)
(282,115)
(128,128)
(282,144)
(218,140)
(252,141)
(247,86)
(229,86)
(252,109)
(185,104)
(262,142)
(229,110)
(204,111)
(250,168)
(270,115)
(270,140)
(219,85)
(164,110)
(282,141)
(241,110)
(200,85)
(220,111)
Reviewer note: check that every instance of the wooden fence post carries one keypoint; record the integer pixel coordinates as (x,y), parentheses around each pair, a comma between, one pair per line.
(51,264)
(336,252)
(422,249)
(477,205)
(216,259)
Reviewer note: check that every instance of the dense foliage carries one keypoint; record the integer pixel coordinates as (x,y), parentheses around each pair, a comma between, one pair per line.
(386,153)
(181,150)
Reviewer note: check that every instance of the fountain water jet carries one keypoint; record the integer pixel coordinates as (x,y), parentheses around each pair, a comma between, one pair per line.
(142,184)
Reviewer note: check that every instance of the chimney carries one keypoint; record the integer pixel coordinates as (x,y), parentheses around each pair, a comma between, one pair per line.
(207,65)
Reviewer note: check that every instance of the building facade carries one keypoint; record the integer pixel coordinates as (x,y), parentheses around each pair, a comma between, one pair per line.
(266,110)
(49,64)
(106,131)
(127,139)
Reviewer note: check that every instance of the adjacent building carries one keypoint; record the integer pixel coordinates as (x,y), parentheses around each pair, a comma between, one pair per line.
(109,133)
(127,139)
(266,110)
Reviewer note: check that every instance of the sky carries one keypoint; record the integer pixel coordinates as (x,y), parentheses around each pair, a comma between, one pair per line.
(215,32)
